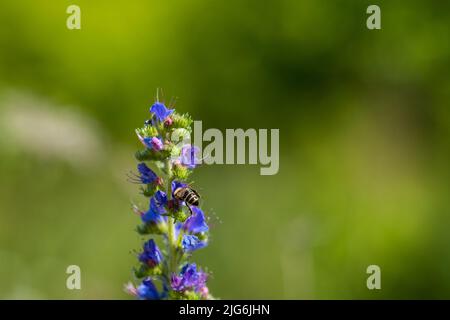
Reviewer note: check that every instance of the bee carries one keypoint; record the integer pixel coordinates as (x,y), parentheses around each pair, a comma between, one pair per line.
(188,195)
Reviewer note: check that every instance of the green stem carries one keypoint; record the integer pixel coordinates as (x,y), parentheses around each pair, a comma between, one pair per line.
(172,242)
(172,246)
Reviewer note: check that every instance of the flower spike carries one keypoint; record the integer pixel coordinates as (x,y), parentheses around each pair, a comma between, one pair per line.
(163,265)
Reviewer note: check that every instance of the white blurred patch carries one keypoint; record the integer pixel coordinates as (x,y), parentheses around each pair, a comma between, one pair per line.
(48,130)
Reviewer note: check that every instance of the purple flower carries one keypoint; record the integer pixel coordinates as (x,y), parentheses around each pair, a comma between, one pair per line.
(176,282)
(191,243)
(196,223)
(147,175)
(188,157)
(157,143)
(151,254)
(189,279)
(147,290)
(153,143)
(160,111)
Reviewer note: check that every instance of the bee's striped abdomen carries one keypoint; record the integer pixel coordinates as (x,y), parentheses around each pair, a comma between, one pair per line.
(192,198)
(187,195)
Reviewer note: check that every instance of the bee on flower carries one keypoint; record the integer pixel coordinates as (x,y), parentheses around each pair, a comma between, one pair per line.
(173,223)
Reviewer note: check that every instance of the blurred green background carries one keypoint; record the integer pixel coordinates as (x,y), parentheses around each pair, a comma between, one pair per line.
(364,121)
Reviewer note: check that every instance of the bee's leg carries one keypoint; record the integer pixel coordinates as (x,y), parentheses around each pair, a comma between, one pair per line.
(190,210)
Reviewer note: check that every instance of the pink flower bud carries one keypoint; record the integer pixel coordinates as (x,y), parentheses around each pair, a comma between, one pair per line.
(168,122)
(156,144)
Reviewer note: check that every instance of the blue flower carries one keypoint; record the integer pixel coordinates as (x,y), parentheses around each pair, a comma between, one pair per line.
(151,255)
(157,207)
(188,157)
(191,243)
(147,290)
(147,175)
(196,223)
(189,279)
(160,111)
(151,217)
(158,202)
